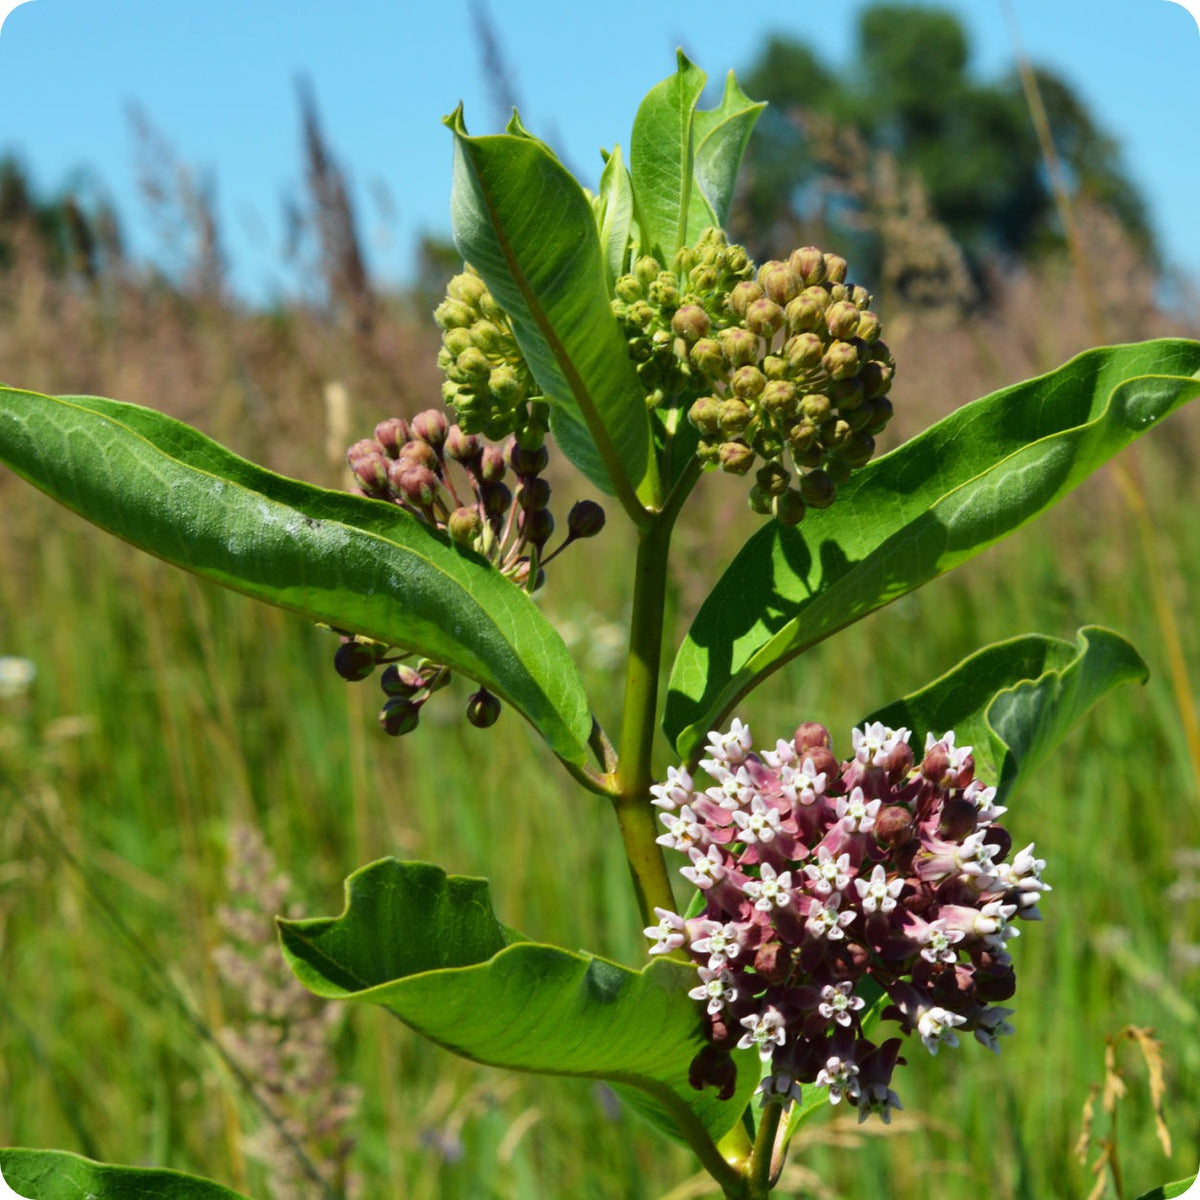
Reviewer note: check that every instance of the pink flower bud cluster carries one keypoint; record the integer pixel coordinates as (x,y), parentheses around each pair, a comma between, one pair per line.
(827,882)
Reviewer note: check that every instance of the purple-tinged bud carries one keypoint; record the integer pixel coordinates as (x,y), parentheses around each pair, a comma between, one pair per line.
(430,427)
(399,716)
(743,295)
(370,466)
(764,317)
(705,415)
(779,281)
(818,490)
(788,508)
(841,320)
(461,447)
(779,398)
(748,383)
(691,323)
(707,358)
(804,351)
(391,435)
(524,461)
(733,416)
(894,826)
(483,709)
(417,454)
(534,493)
(739,347)
(418,486)
(497,499)
(520,574)
(805,313)
(860,297)
(936,762)
(801,439)
(355,660)
(399,679)
(858,448)
(464,526)
(840,360)
(735,457)
(812,735)
(994,981)
(835,268)
(585,519)
(492,468)
(809,263)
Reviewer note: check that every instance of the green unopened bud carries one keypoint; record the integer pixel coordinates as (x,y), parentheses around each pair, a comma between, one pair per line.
(774,367)
(707,453)
(399,716)
(748,383)
(483,709)
(840,360)
(737,262)
(735,457)
(739,346)
(585,519)
(788,508)
(685,259)
(817,489)
(869,327)
(806,312)
(471,366)
(764,317)
(835,268)
(816,407)
(464,526)
(861,297)
(505,384)
(702,278)
(744,295)
(646,269)
(841,320)
(355,660)
(809,263)
(779,281)
(628,289)
(691,323)
(759,501)
(705,415)
(664,291)
(470,289)
(733,416)
(453,314)
(490,309)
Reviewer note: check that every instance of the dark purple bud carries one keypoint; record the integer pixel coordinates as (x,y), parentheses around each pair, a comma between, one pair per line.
(526,461)
(994,981)
(496,499)
(958,820)
(773,479)
(355,660)
(534,494)
(936,762)
(881,414)
(788,507)
(894,826)
(999,837)
(483,709)
(391,435)
(399,716)
(399,679)
(585,519)
(818,490)
(536,524)
(714,1067)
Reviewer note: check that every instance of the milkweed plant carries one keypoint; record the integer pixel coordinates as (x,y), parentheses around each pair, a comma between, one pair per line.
(819,905)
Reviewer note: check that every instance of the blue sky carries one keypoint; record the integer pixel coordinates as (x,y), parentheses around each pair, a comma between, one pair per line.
(217,80)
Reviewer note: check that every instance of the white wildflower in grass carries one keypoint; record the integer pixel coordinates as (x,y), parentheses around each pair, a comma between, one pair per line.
(16,676)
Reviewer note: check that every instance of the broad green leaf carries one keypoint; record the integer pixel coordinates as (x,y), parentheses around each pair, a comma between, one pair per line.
(915,513)
(524,223)
(661,159)
(359,565)
(57,1175)
(720,135)
(614,216)
(428,948)
(1168,1191)
(1015,701)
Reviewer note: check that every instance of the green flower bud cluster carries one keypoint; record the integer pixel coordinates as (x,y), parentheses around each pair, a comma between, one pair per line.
(488,382)
(664,313)
(798,375)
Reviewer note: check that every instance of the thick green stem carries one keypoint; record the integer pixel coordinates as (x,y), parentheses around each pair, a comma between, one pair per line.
(763,1168)
(635,771)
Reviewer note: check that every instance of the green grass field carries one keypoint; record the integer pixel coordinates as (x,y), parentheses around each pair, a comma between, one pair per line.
(166,713)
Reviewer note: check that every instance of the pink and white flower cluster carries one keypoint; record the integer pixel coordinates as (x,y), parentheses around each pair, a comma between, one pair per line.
(825,882)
